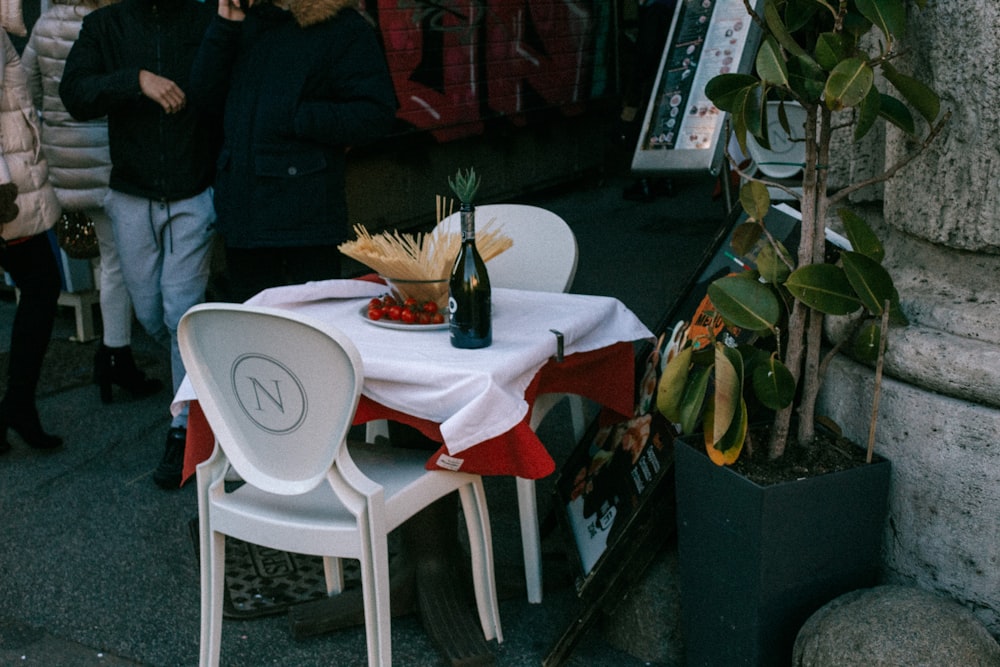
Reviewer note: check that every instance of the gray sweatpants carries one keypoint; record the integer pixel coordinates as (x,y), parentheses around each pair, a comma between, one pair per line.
(164,249)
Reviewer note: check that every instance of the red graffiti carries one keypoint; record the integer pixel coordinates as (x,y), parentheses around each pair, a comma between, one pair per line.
(454,63)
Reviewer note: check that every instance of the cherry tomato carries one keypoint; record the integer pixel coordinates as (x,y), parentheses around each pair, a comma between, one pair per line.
(410,301)
(437,318)
(423,318)
(375,313)
(430,307)
(394,312)
(408,316)
(375,302)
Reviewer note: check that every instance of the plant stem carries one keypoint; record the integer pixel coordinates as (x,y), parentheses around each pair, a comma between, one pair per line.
(878,381)
(816,250)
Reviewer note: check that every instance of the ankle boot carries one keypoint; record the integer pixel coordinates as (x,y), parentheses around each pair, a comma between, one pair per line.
(115,365)
(23,418)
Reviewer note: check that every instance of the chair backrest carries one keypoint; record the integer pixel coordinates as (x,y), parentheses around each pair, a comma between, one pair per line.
(279,390)
(787,155)
(544,255)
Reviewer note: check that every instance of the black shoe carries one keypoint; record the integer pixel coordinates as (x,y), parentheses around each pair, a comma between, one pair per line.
(168,474)
(23,418)
(115,365)
(639,191)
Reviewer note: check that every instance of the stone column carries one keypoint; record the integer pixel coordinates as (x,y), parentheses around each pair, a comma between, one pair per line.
(939,417)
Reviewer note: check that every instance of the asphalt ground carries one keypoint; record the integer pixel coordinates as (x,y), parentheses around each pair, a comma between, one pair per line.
(98,565)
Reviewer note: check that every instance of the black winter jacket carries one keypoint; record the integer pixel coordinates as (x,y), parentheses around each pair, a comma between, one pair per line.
(297,88)
(153,154)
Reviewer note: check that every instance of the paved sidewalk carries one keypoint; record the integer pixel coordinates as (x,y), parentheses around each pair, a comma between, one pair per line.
(98,566)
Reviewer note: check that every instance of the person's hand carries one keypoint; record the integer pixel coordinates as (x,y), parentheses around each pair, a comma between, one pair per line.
(163,91)
(8,207)
(230,10)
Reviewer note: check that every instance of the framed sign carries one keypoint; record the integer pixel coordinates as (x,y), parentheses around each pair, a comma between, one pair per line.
(682,129)
(615,493)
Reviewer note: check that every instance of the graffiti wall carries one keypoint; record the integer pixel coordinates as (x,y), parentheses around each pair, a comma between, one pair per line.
(458,63)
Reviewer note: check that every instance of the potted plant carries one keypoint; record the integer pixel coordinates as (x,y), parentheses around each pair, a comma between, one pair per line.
(813,53)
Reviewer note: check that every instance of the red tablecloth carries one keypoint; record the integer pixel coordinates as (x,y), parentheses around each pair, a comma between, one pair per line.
(606,375)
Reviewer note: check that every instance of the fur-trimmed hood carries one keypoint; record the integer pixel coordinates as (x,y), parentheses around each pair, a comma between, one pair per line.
(311,12)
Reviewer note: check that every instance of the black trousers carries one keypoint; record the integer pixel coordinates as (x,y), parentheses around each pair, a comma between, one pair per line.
(250,270)
(32,265)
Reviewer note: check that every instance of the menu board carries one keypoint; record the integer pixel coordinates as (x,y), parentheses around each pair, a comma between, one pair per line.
(681,130)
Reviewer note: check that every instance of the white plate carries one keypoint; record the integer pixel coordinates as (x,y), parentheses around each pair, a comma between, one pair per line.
(788,152)
(386,323)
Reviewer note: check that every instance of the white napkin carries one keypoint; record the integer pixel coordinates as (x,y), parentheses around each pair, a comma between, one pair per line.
(317,291)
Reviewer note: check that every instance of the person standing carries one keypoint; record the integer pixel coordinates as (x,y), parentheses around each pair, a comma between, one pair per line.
(298,82)
(132,63)
(79,165)
(28,209)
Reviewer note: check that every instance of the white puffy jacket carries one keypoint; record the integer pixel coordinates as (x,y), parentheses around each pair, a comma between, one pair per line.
(22,158)
(77,151)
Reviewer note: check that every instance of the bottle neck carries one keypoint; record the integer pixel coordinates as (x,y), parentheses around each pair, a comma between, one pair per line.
(467,216)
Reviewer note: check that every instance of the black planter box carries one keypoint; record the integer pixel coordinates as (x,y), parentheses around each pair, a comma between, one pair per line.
(756,562)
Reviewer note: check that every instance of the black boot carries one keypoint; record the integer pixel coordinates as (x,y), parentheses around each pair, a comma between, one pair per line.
(23,418)
(171,468)
(115,365)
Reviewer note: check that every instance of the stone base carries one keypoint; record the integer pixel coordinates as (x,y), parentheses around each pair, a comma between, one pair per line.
(942,531)
(888,626)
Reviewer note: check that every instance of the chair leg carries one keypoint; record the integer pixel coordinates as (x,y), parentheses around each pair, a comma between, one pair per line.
(213,577)
(333,572)
(527,509)
(477,522)
(375,429)
(374,565)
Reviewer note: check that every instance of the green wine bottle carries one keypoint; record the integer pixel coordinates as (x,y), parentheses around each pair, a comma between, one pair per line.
(469,298)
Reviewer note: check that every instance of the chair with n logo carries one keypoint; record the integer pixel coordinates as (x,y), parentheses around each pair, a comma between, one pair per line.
(279,391)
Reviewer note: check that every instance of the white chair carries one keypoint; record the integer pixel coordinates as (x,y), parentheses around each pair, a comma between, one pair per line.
(784,160)
(543,258)
(279,392)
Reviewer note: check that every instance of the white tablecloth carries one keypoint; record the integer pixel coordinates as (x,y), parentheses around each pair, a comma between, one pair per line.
(473,394)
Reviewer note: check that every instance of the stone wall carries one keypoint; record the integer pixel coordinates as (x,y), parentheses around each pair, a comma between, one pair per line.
(939,416)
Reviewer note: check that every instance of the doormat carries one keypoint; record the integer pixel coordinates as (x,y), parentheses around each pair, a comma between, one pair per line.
(264,582)
(261,581)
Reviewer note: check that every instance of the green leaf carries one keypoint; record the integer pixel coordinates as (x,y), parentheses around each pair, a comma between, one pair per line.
(856,24)
(865,345)
(861,236)
(777,27)
(823,287)
(755,199)
(867,113)
(848,84)
(727,90)
(770,265)
(771,64)
(889,16)
(798,13)
(728,386)
(806,79)
(745,303)
(694,398)
(726,449)
(745,237)
(773,384)
(896,113)
(831,48)
(871,282)
(918,95)
(671,386)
